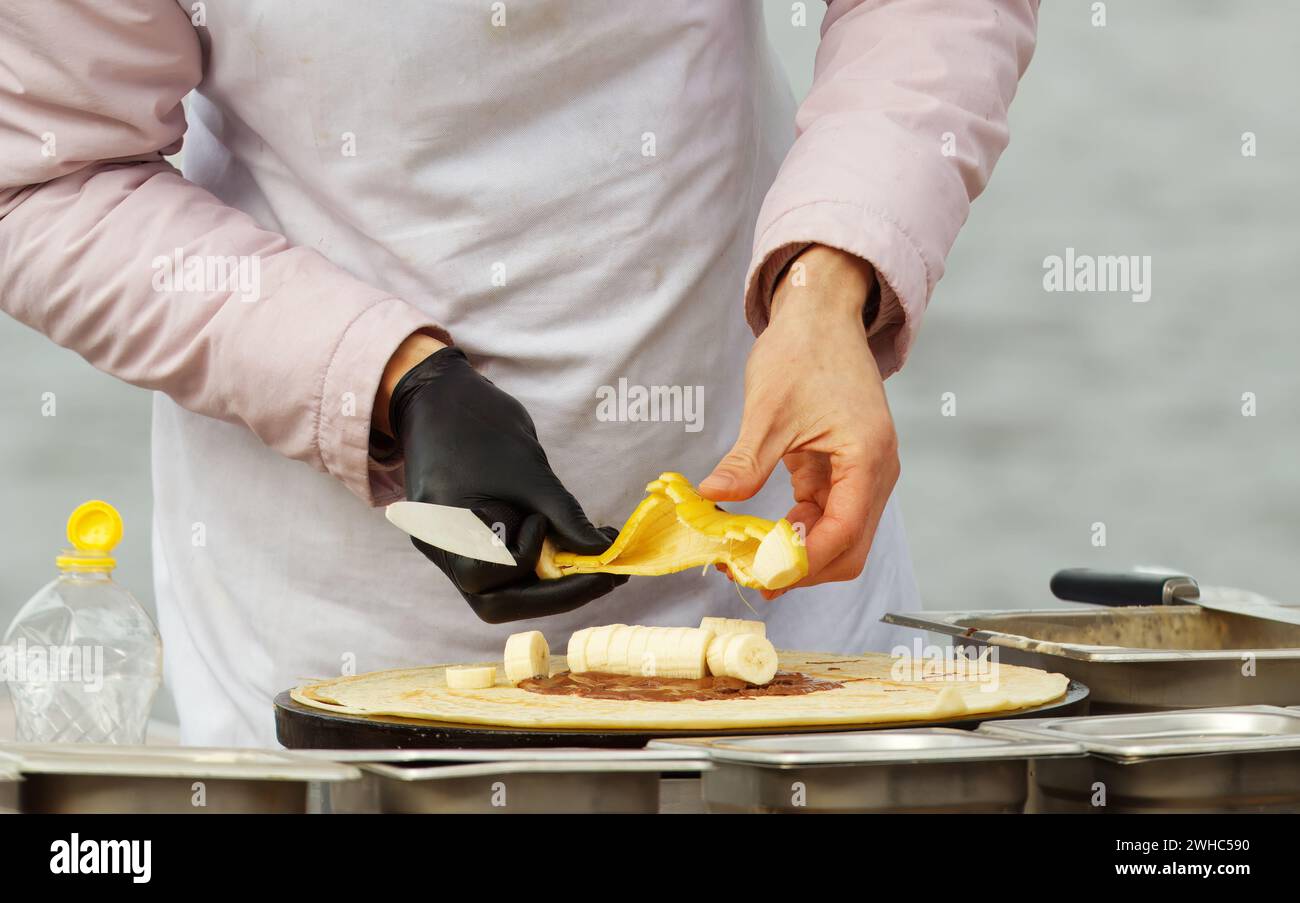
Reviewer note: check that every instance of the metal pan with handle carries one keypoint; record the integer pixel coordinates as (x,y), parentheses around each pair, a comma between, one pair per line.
(1151,586)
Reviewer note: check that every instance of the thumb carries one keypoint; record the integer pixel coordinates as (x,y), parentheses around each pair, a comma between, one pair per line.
(568,523)
(744,469)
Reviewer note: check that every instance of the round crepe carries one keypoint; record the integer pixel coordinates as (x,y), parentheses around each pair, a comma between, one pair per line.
(869,696)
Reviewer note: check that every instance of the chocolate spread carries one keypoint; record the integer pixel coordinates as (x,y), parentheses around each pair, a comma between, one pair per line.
(599,685)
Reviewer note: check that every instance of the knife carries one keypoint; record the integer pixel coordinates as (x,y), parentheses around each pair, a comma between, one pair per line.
(455,530)
(1151,586)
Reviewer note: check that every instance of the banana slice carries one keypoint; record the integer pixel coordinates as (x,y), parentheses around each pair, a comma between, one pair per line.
(471,678)
(713,657)
(750,657)
(746,656)
(637,662)
(576,654)
(781,558)
(597,651)
(721,626)
(679,651)
(527,655)
(619,641)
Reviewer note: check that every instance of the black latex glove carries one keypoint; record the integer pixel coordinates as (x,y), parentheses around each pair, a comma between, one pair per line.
(468,444)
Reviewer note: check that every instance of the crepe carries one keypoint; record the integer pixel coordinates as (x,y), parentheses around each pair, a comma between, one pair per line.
(869,696)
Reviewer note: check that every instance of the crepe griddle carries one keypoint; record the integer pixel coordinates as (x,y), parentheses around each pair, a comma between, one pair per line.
(302,727)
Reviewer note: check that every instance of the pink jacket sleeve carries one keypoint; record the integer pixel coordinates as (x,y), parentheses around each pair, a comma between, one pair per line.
(906,117)
(90,99)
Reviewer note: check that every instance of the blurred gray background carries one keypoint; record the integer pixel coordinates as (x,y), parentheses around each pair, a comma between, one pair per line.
(1071,408)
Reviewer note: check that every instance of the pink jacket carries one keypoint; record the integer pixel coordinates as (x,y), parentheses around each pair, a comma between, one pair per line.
(906,118)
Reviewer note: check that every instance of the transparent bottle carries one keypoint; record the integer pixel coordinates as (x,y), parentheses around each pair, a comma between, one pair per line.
(83,659)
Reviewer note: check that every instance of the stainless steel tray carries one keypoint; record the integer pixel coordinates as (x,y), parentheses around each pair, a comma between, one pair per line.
(514,781)
(904,770)
(173,762)
(94,778)
(1243,759)
(893,747)
(614,757)
(1188,732)
(1139,658)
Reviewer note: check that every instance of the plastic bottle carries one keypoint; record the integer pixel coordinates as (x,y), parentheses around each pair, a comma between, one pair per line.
(82,659)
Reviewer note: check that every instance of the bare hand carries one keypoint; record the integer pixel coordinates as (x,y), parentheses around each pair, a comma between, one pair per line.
(815,399)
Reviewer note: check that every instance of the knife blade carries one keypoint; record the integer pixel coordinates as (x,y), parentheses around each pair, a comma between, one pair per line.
(455,530)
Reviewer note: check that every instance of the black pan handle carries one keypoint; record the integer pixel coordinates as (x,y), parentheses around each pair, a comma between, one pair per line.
(1123,587)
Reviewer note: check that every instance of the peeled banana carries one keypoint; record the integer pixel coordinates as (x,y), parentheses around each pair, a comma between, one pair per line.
(675,529)
(527,655)
(740,651)
(781,558)
(471,678)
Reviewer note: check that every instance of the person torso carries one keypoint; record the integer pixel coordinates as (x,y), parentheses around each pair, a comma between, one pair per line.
(570,190)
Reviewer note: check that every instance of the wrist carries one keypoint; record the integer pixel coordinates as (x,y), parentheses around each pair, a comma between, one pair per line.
(413,350)
(824,282)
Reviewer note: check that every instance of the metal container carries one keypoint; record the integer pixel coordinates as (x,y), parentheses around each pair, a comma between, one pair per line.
(1140,658)
(10,780)
(682,794)
(92,778)
(1229,759)
(516,781)
(908,770)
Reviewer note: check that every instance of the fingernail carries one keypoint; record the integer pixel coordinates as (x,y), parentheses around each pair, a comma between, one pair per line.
(718,481)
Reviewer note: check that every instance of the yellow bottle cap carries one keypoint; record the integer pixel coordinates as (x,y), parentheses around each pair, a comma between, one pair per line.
(94,529)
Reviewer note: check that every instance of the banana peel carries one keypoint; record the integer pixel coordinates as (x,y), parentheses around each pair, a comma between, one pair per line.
(675,529)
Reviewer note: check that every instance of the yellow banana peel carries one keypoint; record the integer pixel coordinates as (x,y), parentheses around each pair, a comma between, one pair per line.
(675,529)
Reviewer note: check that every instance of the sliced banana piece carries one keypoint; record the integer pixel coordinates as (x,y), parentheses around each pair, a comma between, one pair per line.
(745,656)
(597,649)
(750,657)
(620,638)
(471,677)
(527,655)
(722,626)
(677,652)
(637,661)
(576,653)
(713,657)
